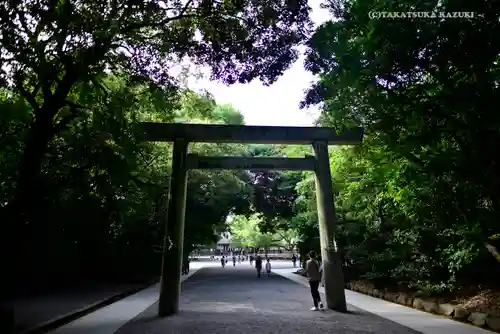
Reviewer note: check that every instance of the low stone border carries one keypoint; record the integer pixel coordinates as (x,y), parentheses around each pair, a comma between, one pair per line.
(452,311)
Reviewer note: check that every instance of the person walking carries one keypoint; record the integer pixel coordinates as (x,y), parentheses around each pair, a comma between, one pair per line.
(258,265)
(268,267)
(294,260)
(314,277)
(185,267)
(322,274)
(223,261)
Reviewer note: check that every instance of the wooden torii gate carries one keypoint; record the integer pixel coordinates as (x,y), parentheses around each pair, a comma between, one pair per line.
(183,134)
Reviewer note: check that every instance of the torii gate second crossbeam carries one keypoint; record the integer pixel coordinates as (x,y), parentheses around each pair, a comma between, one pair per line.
(182,134)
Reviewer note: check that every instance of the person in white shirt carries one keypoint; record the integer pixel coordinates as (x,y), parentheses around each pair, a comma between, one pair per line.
(268,267)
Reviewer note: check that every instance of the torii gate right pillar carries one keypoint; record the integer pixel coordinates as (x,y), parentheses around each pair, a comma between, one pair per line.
(332,267)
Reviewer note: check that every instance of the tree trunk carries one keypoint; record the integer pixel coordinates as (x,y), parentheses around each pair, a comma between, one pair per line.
(24,206)
(28,186)
(28,183)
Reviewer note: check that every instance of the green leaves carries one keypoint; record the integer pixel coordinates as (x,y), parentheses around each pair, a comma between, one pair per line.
(105,193)
(418,88)
(53,50)
(246,233)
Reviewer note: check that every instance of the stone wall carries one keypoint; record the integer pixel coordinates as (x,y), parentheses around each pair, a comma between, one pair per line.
(432,305)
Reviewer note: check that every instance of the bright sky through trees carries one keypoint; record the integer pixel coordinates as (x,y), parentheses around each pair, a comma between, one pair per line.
(276,104)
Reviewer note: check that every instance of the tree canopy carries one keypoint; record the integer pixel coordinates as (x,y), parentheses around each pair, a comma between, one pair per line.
(112,188)
(49,49)
(418,199)
(246,232)
(79,191)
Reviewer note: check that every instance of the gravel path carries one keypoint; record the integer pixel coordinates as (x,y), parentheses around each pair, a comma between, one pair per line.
(232,300)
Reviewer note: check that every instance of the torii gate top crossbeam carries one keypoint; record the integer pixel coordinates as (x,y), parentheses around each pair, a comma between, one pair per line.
(194,161)
(217,133)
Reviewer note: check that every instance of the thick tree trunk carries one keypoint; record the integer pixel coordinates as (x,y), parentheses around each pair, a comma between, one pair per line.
(23,207)
(28,185)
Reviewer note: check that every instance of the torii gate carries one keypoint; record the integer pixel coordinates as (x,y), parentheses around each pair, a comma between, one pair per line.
(183,134)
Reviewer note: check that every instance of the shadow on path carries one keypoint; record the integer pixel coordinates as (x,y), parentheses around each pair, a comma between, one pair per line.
(234,300)
(34,310)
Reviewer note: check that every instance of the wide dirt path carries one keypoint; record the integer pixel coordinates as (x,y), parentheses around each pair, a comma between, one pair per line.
(232,300)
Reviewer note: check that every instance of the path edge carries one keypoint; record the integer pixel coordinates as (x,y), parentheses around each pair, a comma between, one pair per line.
(68,317)
(459,326)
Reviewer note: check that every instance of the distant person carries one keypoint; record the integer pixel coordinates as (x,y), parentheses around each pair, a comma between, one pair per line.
(258,265)
(185,267)
(251,259)
(314,276)
(223,261)
(322,273)
(234,260)
(268,267)
(294,260)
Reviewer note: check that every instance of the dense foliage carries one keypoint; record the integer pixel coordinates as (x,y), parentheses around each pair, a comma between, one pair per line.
(105,193)
(79,194)
(248,233)
(418,200)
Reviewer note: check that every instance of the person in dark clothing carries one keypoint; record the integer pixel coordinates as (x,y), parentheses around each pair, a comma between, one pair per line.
(258,265)
(294,260)
(223,261)
(185,267)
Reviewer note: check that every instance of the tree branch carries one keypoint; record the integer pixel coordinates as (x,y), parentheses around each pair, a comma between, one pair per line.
(65,121)
(182,15)
(22,19)
(493,250)
(100,85)
(149,184)
(29,97)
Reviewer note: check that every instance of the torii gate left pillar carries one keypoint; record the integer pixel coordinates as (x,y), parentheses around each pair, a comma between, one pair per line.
(332,267)
(170,284)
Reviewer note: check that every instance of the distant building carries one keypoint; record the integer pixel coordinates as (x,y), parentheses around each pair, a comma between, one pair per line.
(224,243)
